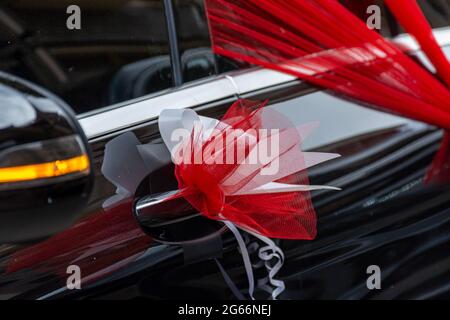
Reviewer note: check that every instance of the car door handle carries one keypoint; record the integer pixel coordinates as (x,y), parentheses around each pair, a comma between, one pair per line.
(159,209)
(173,220)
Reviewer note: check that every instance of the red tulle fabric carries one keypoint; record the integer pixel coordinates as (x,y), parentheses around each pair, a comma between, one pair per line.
(411,17)
(413,20)
(324,43)
(216,189)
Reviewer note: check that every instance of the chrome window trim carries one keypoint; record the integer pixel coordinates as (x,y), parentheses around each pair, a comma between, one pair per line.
(139,111)
(145,110)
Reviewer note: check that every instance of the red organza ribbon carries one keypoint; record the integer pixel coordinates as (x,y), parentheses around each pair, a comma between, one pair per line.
(413,20)
(411,17)
(322,42)
(218,189)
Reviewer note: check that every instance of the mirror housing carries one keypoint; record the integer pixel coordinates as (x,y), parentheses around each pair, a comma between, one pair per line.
(45,163)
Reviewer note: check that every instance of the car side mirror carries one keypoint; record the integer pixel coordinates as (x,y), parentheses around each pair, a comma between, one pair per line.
(45,163)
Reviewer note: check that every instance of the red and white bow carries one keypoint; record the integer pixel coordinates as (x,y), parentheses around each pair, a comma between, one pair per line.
(246,168)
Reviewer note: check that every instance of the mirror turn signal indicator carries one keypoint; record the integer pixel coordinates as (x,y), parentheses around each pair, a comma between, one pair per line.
(51,169)
(40,161)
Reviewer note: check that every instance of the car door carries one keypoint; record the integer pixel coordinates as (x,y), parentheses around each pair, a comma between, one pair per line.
(118,260)
(372,223)
(384,161)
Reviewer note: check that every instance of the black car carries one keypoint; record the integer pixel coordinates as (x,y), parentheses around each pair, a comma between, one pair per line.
(128,61)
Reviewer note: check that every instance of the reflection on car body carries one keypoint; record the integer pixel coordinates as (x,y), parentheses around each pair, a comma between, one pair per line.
(117,74)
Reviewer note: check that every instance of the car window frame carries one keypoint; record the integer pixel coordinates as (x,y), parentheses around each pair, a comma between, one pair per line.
(235,83)
(175,65)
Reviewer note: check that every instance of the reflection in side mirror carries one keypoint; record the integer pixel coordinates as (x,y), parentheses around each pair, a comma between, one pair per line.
(45,163)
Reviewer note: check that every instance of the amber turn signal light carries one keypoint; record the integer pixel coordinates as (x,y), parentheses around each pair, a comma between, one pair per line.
(45,170)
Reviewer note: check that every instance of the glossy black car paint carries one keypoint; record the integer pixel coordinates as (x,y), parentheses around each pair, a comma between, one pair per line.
(385,215)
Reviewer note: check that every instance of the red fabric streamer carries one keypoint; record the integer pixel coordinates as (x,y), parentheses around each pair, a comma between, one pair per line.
(413,20)
(218,189)
(322,42)
(411,17)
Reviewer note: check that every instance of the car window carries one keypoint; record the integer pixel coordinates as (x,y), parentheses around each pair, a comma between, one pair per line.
(194,42)
(437,12)
(119,52)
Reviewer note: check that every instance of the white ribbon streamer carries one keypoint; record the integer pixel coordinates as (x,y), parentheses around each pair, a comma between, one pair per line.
(267,254)
(245,257)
